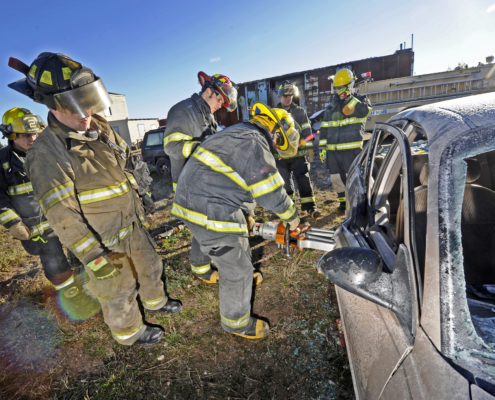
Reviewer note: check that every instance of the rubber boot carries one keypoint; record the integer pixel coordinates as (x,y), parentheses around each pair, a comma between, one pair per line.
(152,335)
(256,329)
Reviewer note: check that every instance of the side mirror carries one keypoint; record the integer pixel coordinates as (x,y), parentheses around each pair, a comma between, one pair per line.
(359,271)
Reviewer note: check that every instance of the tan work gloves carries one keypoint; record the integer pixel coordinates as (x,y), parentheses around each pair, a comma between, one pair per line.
(20,231)
(294,223)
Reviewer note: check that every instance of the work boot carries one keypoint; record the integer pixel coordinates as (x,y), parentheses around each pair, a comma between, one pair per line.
(210,277)
(256,329)
(152,335)
(171,307)
(314,213)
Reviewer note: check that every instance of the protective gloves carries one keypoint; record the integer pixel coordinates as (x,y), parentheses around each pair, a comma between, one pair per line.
(250,222)
(294,223)
(102,267)
(19,231)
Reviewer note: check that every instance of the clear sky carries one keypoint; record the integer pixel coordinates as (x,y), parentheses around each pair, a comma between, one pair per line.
(152,50)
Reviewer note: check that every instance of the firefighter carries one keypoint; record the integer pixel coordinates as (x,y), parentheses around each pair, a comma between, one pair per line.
(342,128)
(297,166)
(223,180)
(21,214)
(77,167)
(189,122)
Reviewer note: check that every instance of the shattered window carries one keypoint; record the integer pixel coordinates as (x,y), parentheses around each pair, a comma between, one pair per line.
(478,242)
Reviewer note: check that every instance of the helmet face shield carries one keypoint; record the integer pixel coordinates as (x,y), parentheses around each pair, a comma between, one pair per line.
(84,100)
(229,94)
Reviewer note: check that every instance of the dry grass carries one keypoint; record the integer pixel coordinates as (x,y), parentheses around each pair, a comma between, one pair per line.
(301,358)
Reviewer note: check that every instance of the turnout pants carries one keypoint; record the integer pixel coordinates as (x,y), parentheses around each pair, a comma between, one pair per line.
(139,271)
(338,163)
(55,265)
(232,256)
(298,168)
(200,263)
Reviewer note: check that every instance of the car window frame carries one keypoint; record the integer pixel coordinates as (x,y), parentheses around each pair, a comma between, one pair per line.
(401,146)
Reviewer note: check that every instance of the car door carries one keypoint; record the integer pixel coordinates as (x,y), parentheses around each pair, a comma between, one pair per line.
(378,338)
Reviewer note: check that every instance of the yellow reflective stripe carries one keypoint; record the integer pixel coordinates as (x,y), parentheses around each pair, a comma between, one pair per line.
(175,137)
(120,235)
(20,189)
(268,185)
(289,213)
(6,165)
(341,199)
(309,144)
(307,200)
(121,337)
(142,218)
(8,216)
(84,245)
(352,103)
(189,215)
(131,179)
(174,186)
(345,146)
(187,148)
(56,195)
(216,164)
(123,145)
(46,78)
(92,196)
(343,122)
(236,323)
(67,73)
(202,220)
(39,229)
(202,269)
(149,304)
(225,226)
(306,125)
(66,283)
(322,142)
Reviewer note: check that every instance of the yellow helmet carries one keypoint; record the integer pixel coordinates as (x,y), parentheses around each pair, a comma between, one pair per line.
(278,120)
(343,77)
(20,121)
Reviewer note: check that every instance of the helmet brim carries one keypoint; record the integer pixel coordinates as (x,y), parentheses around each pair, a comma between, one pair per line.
(22,86)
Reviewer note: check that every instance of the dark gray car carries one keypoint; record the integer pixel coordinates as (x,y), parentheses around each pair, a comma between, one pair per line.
(414,265)
(153,153)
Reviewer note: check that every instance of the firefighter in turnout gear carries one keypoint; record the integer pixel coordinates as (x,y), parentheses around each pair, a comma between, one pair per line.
(77,167)
(342,129)
(297,166)
(223,180)
(21,214)
(189,122)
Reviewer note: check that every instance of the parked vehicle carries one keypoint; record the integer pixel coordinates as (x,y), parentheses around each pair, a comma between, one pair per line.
(153,153)
(414,264)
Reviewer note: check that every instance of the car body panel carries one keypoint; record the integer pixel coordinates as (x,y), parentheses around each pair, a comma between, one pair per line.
(441,355)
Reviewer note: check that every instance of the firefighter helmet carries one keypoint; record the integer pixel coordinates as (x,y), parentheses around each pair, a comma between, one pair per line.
(343,77)
(278,121)
(59,82)
(17,121)
(288,88)
(221,84)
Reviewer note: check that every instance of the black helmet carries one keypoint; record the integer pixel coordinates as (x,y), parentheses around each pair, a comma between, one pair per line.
(287,88)
(56,79)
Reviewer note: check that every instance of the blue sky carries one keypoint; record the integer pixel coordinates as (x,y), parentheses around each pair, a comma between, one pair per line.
(151,50)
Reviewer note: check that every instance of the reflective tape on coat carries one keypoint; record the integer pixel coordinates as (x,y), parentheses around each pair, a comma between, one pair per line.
(236,323)
(175,137)
(23,188)
(8,216)
(109,192)
(56,195)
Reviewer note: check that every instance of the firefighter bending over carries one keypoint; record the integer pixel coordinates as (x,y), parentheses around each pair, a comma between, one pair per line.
(223,180)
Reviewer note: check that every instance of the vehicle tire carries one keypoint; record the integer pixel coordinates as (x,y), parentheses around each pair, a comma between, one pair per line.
(163,166)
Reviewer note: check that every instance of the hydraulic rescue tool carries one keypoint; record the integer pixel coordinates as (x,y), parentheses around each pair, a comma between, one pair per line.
(302,238)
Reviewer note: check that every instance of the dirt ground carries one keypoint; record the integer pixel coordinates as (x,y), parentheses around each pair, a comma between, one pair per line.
(46,355)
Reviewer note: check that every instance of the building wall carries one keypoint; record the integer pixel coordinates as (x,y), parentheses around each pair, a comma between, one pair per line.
(314,86)
(122,128)
(118,110)
(138,127)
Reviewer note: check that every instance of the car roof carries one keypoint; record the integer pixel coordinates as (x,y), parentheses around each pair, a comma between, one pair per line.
(444,121)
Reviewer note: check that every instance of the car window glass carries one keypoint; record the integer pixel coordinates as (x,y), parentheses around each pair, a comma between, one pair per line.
(153,139)
(478,242)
